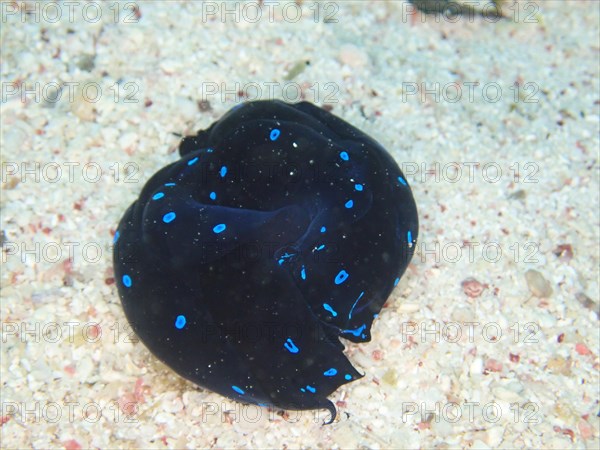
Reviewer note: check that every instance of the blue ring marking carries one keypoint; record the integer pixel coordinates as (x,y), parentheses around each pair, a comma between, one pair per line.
(193,161)
(358,187)
(274,134)
(402,181)
(357,331)
(116,238)
(180,322)
(352,309)
(290,346)
(311,389)
(169,184)
(303,273)
(238,390)
(158,195)
(127,281)
(323,229)
(348,376)
(341,277)
(349,204)
(321,247)
(223,171)
(169,217)
(213,195)
(330,373)
(344,156)
(396,281)
(219,228)
(328,307)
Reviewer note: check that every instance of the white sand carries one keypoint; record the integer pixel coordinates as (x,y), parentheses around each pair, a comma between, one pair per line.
(67,382)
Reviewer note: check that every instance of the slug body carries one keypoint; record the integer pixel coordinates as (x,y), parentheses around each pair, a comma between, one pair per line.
(281,229)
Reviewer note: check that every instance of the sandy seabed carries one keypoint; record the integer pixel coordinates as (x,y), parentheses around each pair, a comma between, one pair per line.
(491,338)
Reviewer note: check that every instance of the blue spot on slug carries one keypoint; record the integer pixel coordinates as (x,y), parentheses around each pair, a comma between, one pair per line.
(180,322)
(328,307)
(341,277)
(219,228)
(354,305)
(357,332)
(274,134)
(169,217)
(290,346)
